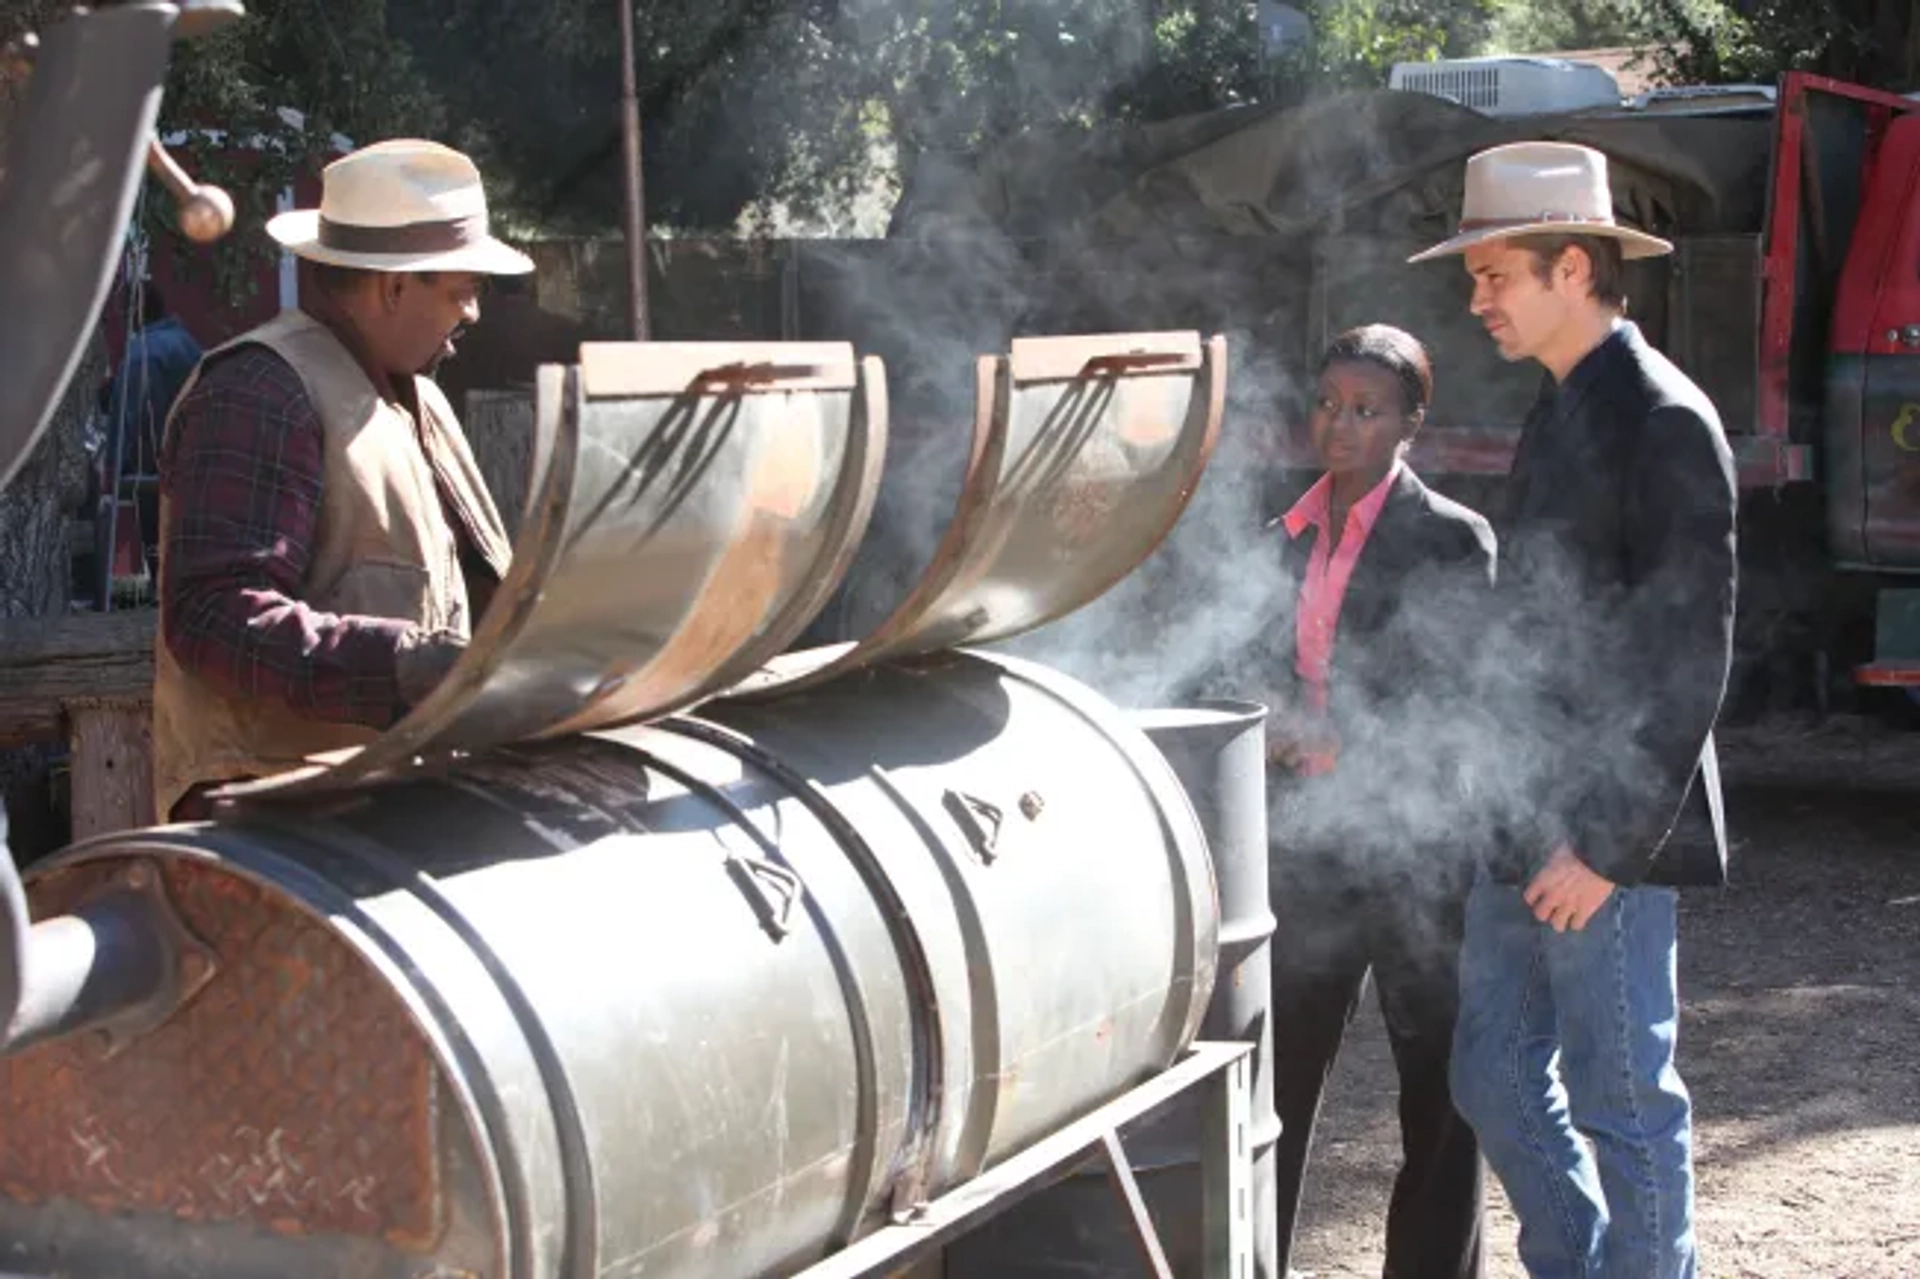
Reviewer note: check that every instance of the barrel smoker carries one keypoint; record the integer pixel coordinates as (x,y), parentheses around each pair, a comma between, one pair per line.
(699,997)
(647,945)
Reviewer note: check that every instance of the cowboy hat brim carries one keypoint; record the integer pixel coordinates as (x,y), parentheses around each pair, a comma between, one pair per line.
(1633,244)
(298,231)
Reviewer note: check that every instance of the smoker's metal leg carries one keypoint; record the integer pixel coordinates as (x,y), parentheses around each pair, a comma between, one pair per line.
(1121,1173)
(1221,1069)
(1226,1172)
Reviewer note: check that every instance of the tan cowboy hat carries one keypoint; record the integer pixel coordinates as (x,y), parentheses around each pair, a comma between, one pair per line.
(403,205)
(1540,188)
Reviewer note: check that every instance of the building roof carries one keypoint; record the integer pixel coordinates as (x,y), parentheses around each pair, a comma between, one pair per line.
(1632,67)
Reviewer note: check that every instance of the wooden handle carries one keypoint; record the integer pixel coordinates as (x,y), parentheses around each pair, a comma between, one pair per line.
(205,213)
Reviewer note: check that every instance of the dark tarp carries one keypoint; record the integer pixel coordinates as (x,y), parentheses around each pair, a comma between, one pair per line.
(1384,162)
(1282,226)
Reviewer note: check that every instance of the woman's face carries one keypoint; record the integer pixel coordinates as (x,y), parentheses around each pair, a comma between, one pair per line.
(1359,418)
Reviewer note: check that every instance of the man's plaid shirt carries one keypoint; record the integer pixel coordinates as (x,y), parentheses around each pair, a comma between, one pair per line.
(242,472)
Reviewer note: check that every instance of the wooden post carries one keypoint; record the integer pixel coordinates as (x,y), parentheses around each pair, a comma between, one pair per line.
(111,767)
(86,680)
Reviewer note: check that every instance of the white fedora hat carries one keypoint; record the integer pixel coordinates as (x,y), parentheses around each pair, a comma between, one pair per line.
(403,205)
(1540,188)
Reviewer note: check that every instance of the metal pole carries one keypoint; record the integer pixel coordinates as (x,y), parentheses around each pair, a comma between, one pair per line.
(630,163)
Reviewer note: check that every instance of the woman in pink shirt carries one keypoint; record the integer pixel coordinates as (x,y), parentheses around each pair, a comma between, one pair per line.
(1369,860)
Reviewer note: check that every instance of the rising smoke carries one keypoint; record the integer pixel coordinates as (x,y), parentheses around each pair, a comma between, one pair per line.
(1210,225)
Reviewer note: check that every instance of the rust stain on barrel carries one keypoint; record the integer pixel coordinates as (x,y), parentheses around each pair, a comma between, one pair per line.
(292,1092)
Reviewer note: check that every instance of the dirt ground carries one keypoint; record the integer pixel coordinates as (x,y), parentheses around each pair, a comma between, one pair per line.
(1800,1033)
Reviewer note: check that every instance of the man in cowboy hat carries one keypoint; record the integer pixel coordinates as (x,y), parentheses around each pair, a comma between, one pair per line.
(1609,660)
(327,539)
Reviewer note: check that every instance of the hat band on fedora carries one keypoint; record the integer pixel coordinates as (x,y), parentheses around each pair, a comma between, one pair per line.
(1534,219)
(411,237)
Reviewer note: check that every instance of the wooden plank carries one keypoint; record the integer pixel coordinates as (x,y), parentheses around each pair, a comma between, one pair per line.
(111,769)
(49,664)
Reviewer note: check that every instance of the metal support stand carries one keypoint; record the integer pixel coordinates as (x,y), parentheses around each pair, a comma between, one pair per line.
(1222,1075)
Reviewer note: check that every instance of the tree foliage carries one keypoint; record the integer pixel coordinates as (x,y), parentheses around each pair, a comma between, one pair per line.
(284,81)
(1356,42)
(726,87)
(809,103)
(1523,26)
(751,101)
(281,83)
(815,105)
(1875,42)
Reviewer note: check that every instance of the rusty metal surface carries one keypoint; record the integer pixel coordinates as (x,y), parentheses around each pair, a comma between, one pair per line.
(1085,452)
(292,1092)
(119,964)
(692,506)
(75,158)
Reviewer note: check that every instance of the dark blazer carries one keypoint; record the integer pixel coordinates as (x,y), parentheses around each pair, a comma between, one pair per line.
(1617,589)
(1414,612)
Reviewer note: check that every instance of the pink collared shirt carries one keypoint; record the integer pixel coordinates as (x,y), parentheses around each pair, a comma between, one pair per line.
(1324,588)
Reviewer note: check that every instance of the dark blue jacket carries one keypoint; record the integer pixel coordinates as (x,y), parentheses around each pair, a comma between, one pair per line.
(159,359)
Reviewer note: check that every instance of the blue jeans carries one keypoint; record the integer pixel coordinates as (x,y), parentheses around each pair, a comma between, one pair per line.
(1568,1034)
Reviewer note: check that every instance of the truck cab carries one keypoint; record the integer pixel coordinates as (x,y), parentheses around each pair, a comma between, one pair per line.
(1847,206)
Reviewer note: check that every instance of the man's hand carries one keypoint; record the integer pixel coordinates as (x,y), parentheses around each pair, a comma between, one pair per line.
(425,658)
(1566,894)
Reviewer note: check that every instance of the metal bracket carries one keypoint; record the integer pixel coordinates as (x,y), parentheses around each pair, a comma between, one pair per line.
(907,1203)
(980,820)
(1138,361)
(188,963)
(771,889)
(758,373)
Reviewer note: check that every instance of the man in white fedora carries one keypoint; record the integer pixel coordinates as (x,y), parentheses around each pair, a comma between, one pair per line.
(1606,663)
(327,539)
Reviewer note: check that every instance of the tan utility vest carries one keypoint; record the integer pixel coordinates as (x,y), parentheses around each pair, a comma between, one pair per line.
(383,548)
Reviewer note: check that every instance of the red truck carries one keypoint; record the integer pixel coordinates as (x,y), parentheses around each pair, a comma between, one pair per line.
(1863,328)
